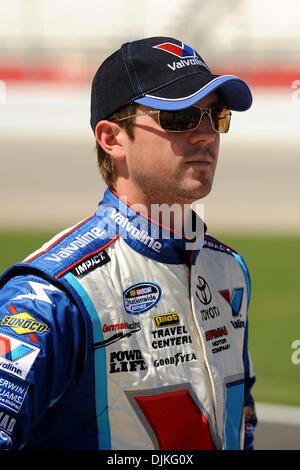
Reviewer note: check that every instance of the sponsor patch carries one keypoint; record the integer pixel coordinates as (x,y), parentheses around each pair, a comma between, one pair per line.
(12,393)
(166,319)
(141,297)
(90,264)
(216,245)
(203,291)
(116,337)
(178,358)
(209,313)
(126,361)
(170,337)
(7,422)
(121,326)
(78,242)
(234,300)
(16,357)
(22,323)
(135,232)
(216,333)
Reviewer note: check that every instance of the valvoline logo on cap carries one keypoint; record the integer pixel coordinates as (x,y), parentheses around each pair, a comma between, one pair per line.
(182,51)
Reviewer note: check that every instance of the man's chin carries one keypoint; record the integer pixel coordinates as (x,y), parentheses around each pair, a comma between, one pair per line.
(200,191)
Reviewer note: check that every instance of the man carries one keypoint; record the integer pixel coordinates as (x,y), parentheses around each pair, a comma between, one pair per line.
(127,331)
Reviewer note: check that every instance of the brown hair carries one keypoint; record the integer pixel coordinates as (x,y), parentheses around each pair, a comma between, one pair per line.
(105,162)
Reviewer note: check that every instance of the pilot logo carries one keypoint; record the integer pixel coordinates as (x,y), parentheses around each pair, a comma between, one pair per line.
(16,357)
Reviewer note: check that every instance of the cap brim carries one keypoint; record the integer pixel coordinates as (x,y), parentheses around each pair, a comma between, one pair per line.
(235,93)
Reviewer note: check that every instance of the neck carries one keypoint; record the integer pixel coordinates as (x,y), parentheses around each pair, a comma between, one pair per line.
(177,216)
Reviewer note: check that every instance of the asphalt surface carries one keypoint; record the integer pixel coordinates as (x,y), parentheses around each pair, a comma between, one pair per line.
(278,427)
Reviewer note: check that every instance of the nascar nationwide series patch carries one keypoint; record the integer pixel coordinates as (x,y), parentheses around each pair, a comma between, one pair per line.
(141,297)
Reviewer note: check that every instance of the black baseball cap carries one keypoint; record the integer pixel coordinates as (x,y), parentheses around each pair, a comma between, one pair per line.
(162,73)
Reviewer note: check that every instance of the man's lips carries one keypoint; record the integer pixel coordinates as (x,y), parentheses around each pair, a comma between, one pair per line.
(199,161)
(202,157)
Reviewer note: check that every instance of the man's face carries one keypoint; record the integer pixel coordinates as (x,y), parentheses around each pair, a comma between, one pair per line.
(172,167)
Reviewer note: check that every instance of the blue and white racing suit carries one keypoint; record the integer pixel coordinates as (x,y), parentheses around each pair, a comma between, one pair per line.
(119,334)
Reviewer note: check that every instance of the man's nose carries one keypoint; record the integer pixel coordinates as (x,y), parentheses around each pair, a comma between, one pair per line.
(204,131)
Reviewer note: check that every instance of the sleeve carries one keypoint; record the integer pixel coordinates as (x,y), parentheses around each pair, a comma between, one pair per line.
(250,418)
(41,344)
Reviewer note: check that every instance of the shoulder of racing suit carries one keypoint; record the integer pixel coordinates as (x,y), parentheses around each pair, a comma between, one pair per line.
(75,246)
(215,245)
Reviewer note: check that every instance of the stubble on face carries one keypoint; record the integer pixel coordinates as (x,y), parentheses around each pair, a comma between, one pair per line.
(180,185)
(171,168)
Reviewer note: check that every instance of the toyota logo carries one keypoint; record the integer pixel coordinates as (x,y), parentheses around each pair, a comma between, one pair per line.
(203,291)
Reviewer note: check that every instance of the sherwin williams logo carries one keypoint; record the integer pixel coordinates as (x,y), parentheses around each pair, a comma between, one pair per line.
(16,357)
(182,51)
(141,297)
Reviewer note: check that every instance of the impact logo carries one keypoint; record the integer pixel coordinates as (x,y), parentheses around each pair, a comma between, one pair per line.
(182,51)
(16,357)
(235,302)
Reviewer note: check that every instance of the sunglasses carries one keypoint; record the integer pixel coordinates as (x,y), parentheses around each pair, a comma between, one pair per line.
(189,119)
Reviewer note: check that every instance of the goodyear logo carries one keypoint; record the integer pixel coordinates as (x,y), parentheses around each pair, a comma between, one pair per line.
(23,323)
(166,319)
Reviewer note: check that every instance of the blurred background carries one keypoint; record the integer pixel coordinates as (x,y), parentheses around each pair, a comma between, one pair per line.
(49,52)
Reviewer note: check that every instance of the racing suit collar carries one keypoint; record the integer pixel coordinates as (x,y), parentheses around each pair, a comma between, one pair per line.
(148,237)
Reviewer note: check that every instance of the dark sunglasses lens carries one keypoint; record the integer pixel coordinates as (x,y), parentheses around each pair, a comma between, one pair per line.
(182,120)
(221,117)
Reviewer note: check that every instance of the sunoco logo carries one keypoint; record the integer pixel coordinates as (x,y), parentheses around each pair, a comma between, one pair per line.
(141,297)
(23,323)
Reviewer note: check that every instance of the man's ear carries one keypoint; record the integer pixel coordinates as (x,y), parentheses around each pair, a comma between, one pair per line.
(108,136)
